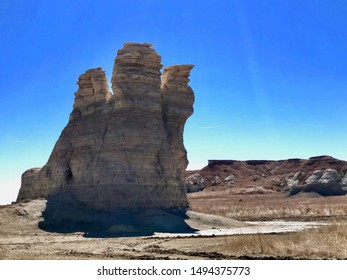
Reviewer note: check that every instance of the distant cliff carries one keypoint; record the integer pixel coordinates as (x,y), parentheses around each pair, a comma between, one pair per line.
(323,175)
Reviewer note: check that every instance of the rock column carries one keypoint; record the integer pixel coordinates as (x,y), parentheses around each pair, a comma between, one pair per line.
(178,100)
(123,151)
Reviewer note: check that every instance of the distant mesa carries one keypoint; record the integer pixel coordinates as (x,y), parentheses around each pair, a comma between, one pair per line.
(319,175)
(121,151)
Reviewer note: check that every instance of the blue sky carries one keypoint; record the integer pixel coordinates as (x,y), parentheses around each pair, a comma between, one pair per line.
(270,76)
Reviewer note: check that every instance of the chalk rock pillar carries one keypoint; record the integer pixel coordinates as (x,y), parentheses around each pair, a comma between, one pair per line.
(123,150)
(92,92)
(178,100)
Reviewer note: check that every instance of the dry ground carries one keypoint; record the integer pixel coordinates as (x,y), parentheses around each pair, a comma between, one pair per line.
(269,207)
(326,242)
(20,237)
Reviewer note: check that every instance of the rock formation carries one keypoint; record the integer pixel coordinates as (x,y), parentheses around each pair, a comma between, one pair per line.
(122,150)
(194,183)
(323,175)
(92,93)
(324,182)
(178,99)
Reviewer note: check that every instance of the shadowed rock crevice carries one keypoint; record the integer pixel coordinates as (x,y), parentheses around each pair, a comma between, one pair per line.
(121,151)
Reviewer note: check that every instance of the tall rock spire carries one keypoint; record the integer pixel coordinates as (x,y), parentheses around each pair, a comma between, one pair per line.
(178,100)
(92,93)
(122,150)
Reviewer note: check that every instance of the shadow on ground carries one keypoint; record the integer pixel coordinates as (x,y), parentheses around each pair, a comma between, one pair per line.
(63,214)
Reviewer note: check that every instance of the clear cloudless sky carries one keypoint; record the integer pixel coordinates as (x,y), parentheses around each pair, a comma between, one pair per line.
(270,76)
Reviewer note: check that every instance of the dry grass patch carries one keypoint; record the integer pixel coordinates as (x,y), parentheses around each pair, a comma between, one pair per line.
(269,207)
(2,254)
(329,242)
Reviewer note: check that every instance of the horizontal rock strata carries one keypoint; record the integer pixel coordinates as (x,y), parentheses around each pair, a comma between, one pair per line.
(322,175)
(122,150)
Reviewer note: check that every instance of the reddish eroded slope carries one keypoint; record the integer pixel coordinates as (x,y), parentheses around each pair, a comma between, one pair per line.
(264,176)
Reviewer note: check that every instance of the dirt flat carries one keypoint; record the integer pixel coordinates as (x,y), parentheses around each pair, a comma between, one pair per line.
(21,238)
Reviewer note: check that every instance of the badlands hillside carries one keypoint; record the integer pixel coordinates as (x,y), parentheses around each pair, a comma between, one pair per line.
(321,175)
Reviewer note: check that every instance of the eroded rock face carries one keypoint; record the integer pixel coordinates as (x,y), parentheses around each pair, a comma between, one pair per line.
(194,183)
(324,182)
(324,175)
(122,151)
(28,189)
(178,100)
(92,93)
